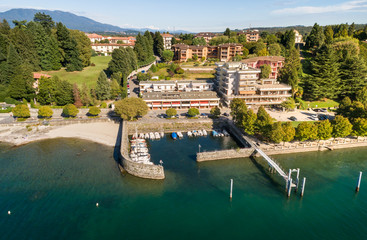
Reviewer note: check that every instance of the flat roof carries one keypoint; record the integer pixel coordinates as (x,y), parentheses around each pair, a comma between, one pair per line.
(180,95)
(177,81)
(274,86)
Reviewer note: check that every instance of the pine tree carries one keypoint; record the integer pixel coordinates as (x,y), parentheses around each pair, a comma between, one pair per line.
(316,38)
(63,93)
(353,74)
(85,95)
(45,20)
(158,44)
(83,46)
(21,83)
(325,79)
(4,27)
(13,63)
(103,88)
(329,34)
(68,46)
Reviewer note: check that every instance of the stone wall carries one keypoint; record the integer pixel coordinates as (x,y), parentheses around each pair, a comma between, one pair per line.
(134,168)
(224,154)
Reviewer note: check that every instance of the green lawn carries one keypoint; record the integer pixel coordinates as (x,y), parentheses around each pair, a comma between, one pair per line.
(186,75)
(322,104)
(89,75)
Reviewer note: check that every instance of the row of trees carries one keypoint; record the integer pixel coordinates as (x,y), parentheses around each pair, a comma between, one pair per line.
(34,46)
(265,127)
(21,111)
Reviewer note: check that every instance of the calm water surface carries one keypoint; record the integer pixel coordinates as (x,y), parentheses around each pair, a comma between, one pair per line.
(52,186)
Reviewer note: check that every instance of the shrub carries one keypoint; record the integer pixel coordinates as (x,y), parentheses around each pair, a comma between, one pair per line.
(193,112)
(70,110)
(10,100)
(21,111)
(153,68)
(103,105)
(215,111)
(45,112)
(94,111)
(171,112)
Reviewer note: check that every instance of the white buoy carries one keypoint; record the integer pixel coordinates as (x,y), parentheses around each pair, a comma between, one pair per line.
(9,212)
(97,204)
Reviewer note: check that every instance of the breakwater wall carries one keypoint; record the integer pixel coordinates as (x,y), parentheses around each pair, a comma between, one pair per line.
(134,168)
(224,154)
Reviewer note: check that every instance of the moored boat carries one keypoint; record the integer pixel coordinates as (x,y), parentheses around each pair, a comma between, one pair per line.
(205,133)
(174,135)
(189,133)
(157,136)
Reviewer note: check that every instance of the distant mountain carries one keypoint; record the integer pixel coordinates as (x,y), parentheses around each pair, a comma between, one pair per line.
(70,20)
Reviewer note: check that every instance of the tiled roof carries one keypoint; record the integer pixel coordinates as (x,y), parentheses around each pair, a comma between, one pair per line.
(94,35)
(264,58)
(39,75)
(166,35)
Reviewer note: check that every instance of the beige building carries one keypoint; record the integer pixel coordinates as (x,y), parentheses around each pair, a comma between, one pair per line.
(224,52)
(206,35)
(167,40)
(176,85)
(108,47)
(251,35)
(237,80)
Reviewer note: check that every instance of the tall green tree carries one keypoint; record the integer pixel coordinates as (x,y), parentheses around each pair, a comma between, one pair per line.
(316,38)
(130,108)
(325,80)
(306,131)
(158,44)
(276,133)
(360,127)
(227,32)
(275,49)
(64,92)
(248,122)
(353,73)
(263,122)
(103,88)
(83,46)
(329,34)
(289,39)
(289,131)
(167,55)
(68,48)
(238,109)
(45,20)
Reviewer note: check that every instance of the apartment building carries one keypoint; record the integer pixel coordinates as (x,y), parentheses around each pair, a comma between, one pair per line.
(180,94)
(206,35)
(167,40)
(97,38)
(251,35)
(93,37)
(107,48)
(238,80)
(176,85)
(224,52)
(275,62)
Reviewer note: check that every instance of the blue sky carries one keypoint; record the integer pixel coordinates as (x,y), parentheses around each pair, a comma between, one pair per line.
(205,15)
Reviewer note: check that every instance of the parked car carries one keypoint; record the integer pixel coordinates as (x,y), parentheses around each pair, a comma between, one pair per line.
(226,114)
(293,118)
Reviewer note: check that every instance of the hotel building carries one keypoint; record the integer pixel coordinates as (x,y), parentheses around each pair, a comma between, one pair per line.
(275,62)
(237,80)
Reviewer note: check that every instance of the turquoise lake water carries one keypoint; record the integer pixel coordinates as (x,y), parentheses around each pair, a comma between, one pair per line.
(51,188)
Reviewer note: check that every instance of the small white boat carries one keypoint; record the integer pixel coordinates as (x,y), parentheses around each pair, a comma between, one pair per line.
(141,135)
(162,134)
(189,133)
(157,136)
(200,133)
(135,135)
(146,136)
(205,133)
(151,135)
(179,134)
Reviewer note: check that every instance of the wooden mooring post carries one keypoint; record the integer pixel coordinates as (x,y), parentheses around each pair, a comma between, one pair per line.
(230,194)
(359,181)
(303,186)
(289,188)
(297,180)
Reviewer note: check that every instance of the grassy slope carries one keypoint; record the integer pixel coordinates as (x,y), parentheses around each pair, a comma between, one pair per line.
(89,75)
(323,104)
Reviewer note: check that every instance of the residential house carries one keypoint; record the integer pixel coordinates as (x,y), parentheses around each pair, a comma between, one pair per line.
(206,35)
(107,48)
(251,35)
(36,78)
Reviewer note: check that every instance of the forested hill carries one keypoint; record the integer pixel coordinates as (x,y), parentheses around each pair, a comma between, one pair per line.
(70,20)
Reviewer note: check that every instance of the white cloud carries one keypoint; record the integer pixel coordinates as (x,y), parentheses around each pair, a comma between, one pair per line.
(360,5)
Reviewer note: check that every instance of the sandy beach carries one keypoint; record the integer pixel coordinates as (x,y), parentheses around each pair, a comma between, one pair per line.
(100,132)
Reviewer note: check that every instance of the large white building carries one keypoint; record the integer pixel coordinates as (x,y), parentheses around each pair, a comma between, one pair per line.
(167,40)
(237,80)
(180,94)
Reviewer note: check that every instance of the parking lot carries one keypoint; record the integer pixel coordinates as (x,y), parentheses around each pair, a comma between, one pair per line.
(300,115)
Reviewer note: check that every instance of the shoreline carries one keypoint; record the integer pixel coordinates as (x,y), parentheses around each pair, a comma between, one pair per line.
(100,132)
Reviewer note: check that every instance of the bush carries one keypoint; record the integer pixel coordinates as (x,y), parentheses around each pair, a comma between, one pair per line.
(215,111)
(153,68)
(171,112)
(21,111)
(10,100)
(103,105)
(45,112)
(70,110)
(193,112)
(94,111)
